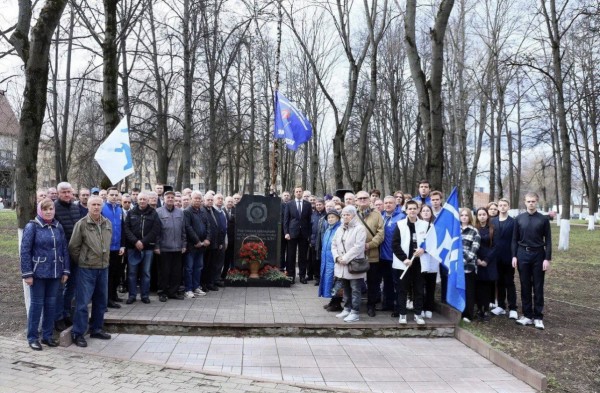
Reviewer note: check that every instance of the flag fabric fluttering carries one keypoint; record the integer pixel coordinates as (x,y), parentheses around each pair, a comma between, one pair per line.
(114,154)
(444,243)
(290,123)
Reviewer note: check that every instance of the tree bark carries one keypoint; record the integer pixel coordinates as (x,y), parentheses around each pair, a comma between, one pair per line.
(35,56)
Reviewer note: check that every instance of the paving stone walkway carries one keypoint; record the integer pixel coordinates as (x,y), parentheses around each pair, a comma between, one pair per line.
(358,364)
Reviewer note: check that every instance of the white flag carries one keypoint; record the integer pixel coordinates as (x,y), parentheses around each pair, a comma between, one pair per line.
(114,154)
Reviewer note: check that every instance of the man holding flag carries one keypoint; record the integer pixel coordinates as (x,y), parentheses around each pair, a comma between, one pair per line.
(443,242)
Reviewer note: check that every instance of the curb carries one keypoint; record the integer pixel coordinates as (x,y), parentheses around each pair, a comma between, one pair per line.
(533,378)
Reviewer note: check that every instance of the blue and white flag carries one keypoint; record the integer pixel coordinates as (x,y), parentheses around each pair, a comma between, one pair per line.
(290,123)
(444,243)
(114,154)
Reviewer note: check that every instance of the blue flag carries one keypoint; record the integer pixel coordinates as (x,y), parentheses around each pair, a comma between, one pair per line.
(444,243)
(290,123)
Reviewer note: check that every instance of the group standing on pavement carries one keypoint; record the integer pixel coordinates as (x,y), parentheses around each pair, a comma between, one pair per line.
(106,242)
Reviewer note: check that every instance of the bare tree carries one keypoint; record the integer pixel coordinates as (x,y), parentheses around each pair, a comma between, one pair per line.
(34,52)
(429,90)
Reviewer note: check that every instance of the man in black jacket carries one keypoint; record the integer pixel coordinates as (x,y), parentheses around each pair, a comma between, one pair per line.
(142,228)
(198,234)
(67,213)
(297,228)
(218,230)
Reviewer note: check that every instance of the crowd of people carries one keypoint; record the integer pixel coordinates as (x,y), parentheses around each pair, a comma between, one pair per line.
(88,247)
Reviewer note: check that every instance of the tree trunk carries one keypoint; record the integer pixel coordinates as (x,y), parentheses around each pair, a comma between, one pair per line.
(110,72)
(35,56)
(430,92)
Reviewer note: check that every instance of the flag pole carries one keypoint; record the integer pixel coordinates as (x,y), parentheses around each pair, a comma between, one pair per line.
(277,62)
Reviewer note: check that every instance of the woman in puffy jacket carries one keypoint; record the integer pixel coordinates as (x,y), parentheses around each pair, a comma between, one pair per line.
(44,264)
(348,244)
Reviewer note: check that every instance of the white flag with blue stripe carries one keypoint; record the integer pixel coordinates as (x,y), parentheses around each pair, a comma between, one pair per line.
(114,154)
(444,243)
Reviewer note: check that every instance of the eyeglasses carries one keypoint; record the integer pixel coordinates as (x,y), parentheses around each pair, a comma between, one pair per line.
(362,198)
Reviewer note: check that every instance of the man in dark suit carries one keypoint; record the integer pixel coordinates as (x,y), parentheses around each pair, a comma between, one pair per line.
(297,228)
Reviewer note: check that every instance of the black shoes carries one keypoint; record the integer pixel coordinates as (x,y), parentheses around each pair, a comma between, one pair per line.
(79,341)
(178,296)
(112,304)
(130,300)
(101,334)
(50,342)
(317,282)
(395,314)
(303,280)
(60,325)
(371,311)
(162,298)
(35,345)
(118,300)
(211,287)
(145,300)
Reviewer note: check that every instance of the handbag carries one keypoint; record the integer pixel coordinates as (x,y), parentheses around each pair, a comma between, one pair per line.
(358,265)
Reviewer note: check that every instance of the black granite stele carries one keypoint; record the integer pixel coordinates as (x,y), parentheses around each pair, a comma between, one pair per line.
(258,218)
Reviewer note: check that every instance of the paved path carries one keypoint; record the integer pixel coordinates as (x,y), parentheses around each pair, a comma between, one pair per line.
(360,364)
(298,305)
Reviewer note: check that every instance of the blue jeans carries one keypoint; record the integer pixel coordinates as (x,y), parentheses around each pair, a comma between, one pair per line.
(92,284)
(43,297)
(69,294)
(194,263)
(134,259)
(352,294)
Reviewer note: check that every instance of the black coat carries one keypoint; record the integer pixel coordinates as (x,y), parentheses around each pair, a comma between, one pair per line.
(197,227)
(142,225)
(487,252)
(217,227)
(297,224)
(503,234)
(67,214)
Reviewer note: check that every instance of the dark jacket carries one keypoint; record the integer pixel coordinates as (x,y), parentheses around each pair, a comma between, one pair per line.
(486,252)
(44,252)
(297,224)
(503,233)
(315,218)
(142,225)
(67,214)
(114,213)
(218,227)
(197,227)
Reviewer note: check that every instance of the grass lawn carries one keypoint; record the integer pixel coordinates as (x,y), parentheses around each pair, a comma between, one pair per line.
(568,351)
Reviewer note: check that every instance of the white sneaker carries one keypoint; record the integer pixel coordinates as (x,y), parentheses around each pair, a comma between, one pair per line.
(466,320)
(513,315)
(539,324)
(524,321)
(189,295)
(343,314)
(498,311)
(199,292)
(352,317)
(402,320)
(493,305)
(428,314)
(409,305)
(419,320)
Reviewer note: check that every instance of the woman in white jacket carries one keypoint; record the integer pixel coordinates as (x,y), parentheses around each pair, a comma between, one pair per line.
(406,247)
(348,244)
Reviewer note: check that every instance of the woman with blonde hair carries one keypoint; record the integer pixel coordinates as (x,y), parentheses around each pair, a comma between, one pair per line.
(44,264)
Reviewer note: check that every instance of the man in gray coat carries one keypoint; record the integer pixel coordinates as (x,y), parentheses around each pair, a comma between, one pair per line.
(170,248)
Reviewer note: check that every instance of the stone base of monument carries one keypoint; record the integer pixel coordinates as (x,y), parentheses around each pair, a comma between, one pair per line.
(258,282)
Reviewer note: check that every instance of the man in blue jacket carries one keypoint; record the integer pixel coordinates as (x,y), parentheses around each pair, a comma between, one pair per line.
(391,216)
(114,213)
